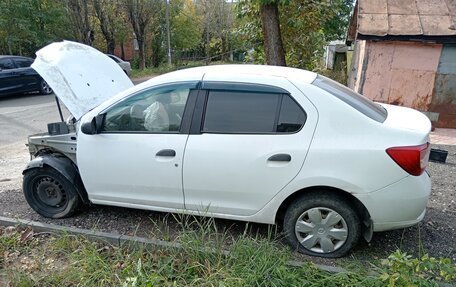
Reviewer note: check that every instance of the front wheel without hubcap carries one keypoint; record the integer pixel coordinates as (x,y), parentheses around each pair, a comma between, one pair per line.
(49,193)
(322,225)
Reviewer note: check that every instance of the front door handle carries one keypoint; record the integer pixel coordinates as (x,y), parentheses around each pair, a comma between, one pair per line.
(166,152)
(280,157)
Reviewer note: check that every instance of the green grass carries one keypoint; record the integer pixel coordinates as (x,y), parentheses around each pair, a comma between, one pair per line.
(67,260)
(148,72)
(151,71)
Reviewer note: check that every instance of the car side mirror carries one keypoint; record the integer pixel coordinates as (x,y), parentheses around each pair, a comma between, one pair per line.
(94,126)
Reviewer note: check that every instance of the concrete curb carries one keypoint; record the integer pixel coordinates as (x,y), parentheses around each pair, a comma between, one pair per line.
(112,238)
(120,240)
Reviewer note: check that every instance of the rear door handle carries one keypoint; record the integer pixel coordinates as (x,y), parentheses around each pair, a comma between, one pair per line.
(280,157)
(166,152)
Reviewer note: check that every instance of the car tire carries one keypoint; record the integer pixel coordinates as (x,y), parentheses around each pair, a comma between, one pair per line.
(49,193)
(322,224)
(45,89)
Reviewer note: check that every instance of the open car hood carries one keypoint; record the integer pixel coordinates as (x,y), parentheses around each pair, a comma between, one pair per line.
(81,76)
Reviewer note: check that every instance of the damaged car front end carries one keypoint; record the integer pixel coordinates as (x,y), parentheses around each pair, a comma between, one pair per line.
(52,171)
(60,138)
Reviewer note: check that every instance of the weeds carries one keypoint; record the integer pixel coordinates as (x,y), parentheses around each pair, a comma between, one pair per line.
(400,269)
(203,260)
(150,71)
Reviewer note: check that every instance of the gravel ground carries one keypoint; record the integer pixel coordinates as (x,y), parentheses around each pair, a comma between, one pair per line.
(436,235)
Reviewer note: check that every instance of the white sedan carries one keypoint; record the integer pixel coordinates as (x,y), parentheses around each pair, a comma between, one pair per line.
(254,143)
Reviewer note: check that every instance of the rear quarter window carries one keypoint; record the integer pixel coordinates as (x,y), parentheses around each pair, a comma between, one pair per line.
(352,98)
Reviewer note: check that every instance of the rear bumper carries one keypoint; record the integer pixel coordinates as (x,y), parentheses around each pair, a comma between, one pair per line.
(398,205)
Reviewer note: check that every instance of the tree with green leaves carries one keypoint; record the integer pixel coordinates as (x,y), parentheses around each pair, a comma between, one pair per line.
(107,13)
(27,25)
(186,26)
(305,26)
(79,14)
(141,13)
(216,22)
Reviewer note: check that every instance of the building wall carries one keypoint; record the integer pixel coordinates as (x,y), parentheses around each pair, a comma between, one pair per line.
(129,49)
(443,102)
(412,74)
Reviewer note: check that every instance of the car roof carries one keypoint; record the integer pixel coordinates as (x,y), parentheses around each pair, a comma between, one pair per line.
(256,70)
(17,57)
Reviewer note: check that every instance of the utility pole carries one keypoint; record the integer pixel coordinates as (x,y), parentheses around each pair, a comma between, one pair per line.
(167,32)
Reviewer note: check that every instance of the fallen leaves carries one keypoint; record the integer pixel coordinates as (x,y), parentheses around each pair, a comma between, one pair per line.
(19,250)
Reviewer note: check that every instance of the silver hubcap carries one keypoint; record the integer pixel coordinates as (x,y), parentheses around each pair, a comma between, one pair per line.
(321,230)
(46,87)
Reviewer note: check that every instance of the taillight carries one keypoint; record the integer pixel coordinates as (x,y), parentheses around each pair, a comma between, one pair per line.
(413,159)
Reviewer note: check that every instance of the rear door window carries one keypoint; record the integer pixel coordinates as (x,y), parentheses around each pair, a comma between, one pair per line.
(242,112)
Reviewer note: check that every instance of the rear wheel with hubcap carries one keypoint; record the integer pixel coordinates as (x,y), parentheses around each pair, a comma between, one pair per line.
(321,224)
(49,193)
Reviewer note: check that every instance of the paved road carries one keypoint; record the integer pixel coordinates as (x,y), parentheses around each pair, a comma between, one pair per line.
(24,115)
(21,116)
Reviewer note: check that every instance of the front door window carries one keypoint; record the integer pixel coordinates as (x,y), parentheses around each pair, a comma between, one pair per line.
(151,111)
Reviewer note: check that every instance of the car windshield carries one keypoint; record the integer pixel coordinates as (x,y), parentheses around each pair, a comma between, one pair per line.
(352,98)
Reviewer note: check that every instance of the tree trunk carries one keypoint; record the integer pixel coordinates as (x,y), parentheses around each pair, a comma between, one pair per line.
(208,48)
(10,50)
(111,45)
(88,30)
(122,50)
(80,20)
(224,48)
(140,13)
(273,46)
(142,56)
(107,26)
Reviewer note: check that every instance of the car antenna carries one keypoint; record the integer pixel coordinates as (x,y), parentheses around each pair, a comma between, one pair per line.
(60,109)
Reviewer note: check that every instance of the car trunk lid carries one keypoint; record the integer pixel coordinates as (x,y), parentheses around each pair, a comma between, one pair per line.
(81,76)
(408,119)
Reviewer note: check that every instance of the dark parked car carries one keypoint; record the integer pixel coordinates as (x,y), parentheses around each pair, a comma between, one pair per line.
(16,76)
